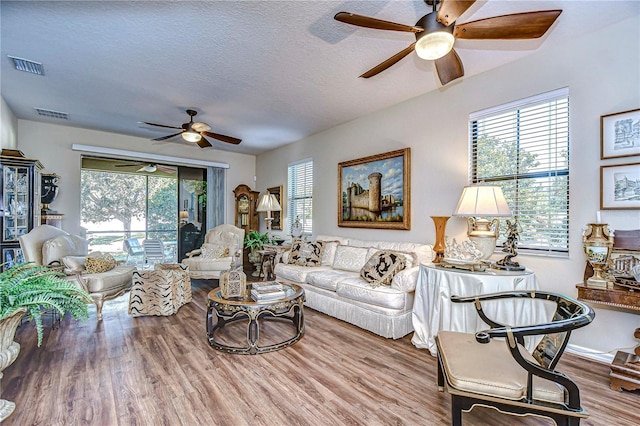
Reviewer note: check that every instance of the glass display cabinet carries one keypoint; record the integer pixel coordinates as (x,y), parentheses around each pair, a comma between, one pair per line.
(19,203)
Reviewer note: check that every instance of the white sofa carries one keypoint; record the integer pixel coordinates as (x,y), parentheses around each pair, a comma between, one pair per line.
(336,288)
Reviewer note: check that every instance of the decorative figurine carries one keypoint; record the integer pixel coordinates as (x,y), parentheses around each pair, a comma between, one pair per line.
(510,247)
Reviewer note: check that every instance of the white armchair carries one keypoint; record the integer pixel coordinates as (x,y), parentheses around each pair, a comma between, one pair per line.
(221,250)
(49,246)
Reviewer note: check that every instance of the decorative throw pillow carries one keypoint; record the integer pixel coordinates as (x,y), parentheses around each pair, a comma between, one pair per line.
(213,251)
(382,267)
(73,263)
(96,263)
(306,253)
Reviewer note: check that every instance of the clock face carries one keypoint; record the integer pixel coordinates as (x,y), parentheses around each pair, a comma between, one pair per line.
(243,205)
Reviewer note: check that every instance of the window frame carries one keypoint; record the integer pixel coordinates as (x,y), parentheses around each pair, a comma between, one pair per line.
(555,173)
(300,203)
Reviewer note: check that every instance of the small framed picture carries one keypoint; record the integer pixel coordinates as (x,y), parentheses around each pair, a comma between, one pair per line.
(620,134)
(620,187)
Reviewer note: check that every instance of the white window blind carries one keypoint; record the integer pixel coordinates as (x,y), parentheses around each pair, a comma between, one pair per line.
(524,148)
(300,195)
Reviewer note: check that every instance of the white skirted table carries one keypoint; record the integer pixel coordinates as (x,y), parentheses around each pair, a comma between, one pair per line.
(434,311)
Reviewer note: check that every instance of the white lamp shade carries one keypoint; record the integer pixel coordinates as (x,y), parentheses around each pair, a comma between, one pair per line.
(482,200)
(268,203)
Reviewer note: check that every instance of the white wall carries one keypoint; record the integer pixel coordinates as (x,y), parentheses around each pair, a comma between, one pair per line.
(601,80)
(8,126)
(51,144)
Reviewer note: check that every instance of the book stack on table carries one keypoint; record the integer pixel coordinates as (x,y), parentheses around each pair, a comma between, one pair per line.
(264,291)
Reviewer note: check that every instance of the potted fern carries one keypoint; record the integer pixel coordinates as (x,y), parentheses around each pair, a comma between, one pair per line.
(254,241)
(28,288)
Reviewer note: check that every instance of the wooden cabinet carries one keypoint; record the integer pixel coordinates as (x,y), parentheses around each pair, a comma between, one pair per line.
(19,203)
(625,368)
(246,204)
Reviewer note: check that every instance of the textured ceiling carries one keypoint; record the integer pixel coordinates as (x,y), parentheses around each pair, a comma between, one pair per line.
(268,72)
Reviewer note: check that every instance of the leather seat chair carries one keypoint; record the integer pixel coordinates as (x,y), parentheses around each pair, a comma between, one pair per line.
(50,246)
(221,250)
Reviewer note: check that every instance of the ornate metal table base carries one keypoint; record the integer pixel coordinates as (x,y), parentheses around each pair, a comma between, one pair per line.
(221,312)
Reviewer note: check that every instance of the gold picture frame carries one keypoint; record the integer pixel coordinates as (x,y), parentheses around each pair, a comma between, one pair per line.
(375,191)
(276,223)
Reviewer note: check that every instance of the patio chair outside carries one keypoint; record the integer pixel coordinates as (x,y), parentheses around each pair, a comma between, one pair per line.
(153,251)
(133,249)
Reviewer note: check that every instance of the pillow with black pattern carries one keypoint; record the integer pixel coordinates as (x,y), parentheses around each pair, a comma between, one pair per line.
(382,267)
(306,253)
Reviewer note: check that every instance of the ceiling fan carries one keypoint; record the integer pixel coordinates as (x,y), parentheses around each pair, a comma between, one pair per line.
(149,167)
(435,33)
(195,132)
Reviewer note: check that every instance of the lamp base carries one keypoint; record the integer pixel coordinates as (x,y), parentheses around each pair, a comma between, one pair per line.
(486,245)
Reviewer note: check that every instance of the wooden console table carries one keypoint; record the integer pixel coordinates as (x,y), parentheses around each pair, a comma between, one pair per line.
(625,367)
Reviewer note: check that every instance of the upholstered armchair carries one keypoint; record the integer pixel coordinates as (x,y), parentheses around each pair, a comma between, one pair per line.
(103,280)
(221,250)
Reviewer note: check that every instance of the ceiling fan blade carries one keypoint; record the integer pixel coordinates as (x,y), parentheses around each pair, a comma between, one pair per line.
(508,27)
(449,67)
(450,10)
(167,137)
(203,143)
(377,24)
(159,125)
(386,64)
(165,169)
(222,138)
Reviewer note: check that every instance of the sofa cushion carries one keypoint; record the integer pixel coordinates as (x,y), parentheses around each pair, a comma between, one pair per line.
(406,279)
(296,273)
(96,263)
(329,252)
(382,267)
(350,258)
(411,259)
(214,251)
(203,264)
(108,281)
(329,279)
(64,245)
(305,253)
(73,264)
(358,289)
(340,240)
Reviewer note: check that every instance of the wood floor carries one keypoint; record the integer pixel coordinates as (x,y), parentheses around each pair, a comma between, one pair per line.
(161,371)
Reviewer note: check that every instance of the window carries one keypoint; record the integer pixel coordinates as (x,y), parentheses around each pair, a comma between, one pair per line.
(524,148)
(300,195)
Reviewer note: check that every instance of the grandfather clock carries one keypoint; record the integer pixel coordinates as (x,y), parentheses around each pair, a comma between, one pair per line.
(246,214)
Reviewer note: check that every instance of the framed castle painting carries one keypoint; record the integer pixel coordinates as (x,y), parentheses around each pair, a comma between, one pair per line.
(620,134)
(374,192)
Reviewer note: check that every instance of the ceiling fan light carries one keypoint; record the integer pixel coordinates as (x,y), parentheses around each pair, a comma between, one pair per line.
(150,168)
(434,45)
(191,137)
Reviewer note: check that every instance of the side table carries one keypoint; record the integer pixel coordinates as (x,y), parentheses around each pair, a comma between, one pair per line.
(625,367)
(433,310)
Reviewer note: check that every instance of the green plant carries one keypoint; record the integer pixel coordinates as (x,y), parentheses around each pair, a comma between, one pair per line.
(254,240)
(37,287)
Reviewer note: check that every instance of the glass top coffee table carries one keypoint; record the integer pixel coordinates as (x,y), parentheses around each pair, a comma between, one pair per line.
(222,311)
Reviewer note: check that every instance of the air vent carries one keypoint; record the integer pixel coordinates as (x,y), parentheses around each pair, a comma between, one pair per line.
(27,66)
(53,114)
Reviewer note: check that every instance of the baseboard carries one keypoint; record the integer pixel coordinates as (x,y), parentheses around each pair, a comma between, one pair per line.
(581,351)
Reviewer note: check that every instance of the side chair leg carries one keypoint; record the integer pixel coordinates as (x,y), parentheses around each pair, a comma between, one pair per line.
(440,377)
(456,411)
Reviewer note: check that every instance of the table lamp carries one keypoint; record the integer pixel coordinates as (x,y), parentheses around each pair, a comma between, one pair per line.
(479,202)
(268,203)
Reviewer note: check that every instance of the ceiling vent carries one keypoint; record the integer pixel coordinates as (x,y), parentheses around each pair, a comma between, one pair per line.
(53,114)
(26,65)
